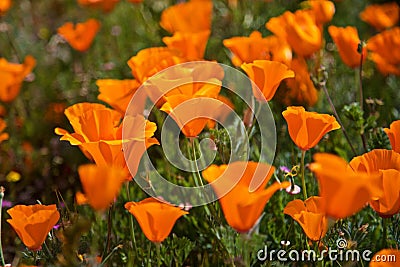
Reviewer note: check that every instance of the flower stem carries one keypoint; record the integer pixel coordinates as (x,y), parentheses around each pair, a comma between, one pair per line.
(158,254)
(197,176)
(245,252)
(337,117)
(109,228)
(1,211)
(109,255)
(48,250)
(360,87)
(303,178)
(360,48)
(131,226)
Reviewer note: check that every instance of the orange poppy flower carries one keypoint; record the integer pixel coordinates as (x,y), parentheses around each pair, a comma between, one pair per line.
(394,135)
(81,35)
(4,6)
(180,106)
(191,45)
(387,162)
(105,5)
(192,75)
(387,253)
(299,29)
(347,40)
(101,185)
(343,191)
(155,218)
(301,89)
(118,94)
(381,16)
(33,223)
(385,52)
(12,76)
(242,206)
(98,133)
(323,10)
(307,128)
(267,76)
(192,16)
(309,215)
(3,136)
(247,49)
(149,61)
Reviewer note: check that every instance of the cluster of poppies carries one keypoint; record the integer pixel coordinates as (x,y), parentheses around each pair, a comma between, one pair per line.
(345,188)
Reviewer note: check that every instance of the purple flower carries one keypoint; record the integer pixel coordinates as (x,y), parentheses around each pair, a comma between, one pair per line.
(6,204)
(284,169)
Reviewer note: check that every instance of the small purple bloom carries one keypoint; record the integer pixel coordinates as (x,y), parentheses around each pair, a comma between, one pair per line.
(6,204)
(284,169)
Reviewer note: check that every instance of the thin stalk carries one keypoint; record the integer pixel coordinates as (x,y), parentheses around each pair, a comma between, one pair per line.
(254,117)
(131,225)
(360,77)
(197,176)
(192,168)
(303,178)
(364,141)
(149,254)
(158,254)
(35,258)
(61,200)
(360,86)
(1,211)
(109,255)
(197,171)
(48,250)
(290,227)
(338,118)
(245,252)
(109,228)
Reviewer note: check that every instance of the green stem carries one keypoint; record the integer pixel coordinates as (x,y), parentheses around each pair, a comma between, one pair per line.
(131,225)
(245,251)
(109,255)
(197,176)
(35,258)
(360,88)
(149,254)
(158,254)
(360,78)
(338,118)
(197,171)
(109,227)
(1,211)
(303,178)
(254,117)
(48,250)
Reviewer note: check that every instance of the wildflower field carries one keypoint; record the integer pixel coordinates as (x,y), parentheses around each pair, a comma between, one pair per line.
(199,133)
